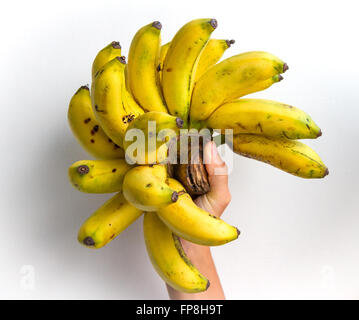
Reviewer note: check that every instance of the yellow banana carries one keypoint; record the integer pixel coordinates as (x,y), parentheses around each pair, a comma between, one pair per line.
(142,65)
(157,129)
(98,176)
(113,105)
(211,54)
(108,53)
(107,222)
(87,130)
(180,64)
(168,257)
(233,78)
(194,224)
(145,187)
(163,52)
(291,156)
(265,117)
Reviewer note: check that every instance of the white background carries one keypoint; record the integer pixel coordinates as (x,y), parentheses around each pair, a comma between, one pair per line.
(299,237)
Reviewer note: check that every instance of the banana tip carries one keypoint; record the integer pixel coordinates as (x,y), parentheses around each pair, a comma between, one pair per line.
(230,42)
(208,284)
(238,232)
(83,169)
(89,242)
(157,25)
(179,122)
(280,78)
(319,133)
(116,45)
(213,23)
(285,67)
(326,172)
(174,196)
(122,59)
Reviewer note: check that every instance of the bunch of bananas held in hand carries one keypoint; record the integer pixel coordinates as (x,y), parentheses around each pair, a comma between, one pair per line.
(179,85)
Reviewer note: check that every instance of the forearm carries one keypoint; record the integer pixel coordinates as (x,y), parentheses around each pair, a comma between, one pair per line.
(201,257)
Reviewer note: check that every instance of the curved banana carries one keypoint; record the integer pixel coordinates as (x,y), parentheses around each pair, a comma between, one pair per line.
(108,53)
(87,130)
(211,54)
(155,130)
(291,156)
(194,224)
(233,78)
(168,257)
(163,52)
(113,105)
(180,64)
(265,117)
(107,222)
(142,65)
(145,187)
(98,176)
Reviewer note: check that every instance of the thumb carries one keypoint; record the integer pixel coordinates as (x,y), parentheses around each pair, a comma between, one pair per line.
(219,195)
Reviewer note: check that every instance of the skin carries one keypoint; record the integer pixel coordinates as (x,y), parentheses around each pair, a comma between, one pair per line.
(215,202)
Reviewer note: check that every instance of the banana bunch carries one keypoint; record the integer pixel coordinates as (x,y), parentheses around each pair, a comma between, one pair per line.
(135,109)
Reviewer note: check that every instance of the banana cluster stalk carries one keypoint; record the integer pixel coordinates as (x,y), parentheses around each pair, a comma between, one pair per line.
(164,89)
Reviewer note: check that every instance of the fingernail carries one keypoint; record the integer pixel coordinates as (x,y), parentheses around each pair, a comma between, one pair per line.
(216,158)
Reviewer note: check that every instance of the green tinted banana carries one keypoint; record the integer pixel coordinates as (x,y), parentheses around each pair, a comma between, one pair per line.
(107,222)
(265,117)
(157,128)
(108,53)
(211,54)
(291,156)
(233,78)
(113,105)
(163,52)
(168,257)
(194,224)
(180,64)
(98,176)
(87,130)
(145,187)
(142,68)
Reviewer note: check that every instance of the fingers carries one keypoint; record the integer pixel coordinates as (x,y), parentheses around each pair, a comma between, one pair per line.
(219,195)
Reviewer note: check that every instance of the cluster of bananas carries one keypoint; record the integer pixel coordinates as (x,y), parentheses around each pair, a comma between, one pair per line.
(179,85)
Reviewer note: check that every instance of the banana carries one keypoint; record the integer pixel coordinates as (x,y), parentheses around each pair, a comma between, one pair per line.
(265,117)
(163,52)
(157,128)
(145,187)
(87,130)
(107,222)
(113,105)
(98,176)
(168,257)
(291,156)
(108,53)
(142,65)
(233,78)
(194,224)
(180,65)
(211,54)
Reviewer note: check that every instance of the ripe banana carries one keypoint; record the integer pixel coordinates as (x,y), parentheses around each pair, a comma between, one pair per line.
(265,117)
(163,52)
(180,64)
(87,130)
(233,78)
(291,156)
(142,65)
(157,128)
(194,224)
(98,176)
(107,222)
(113,105)
(145,187)
(108,53)
(211,54)
(168,257)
